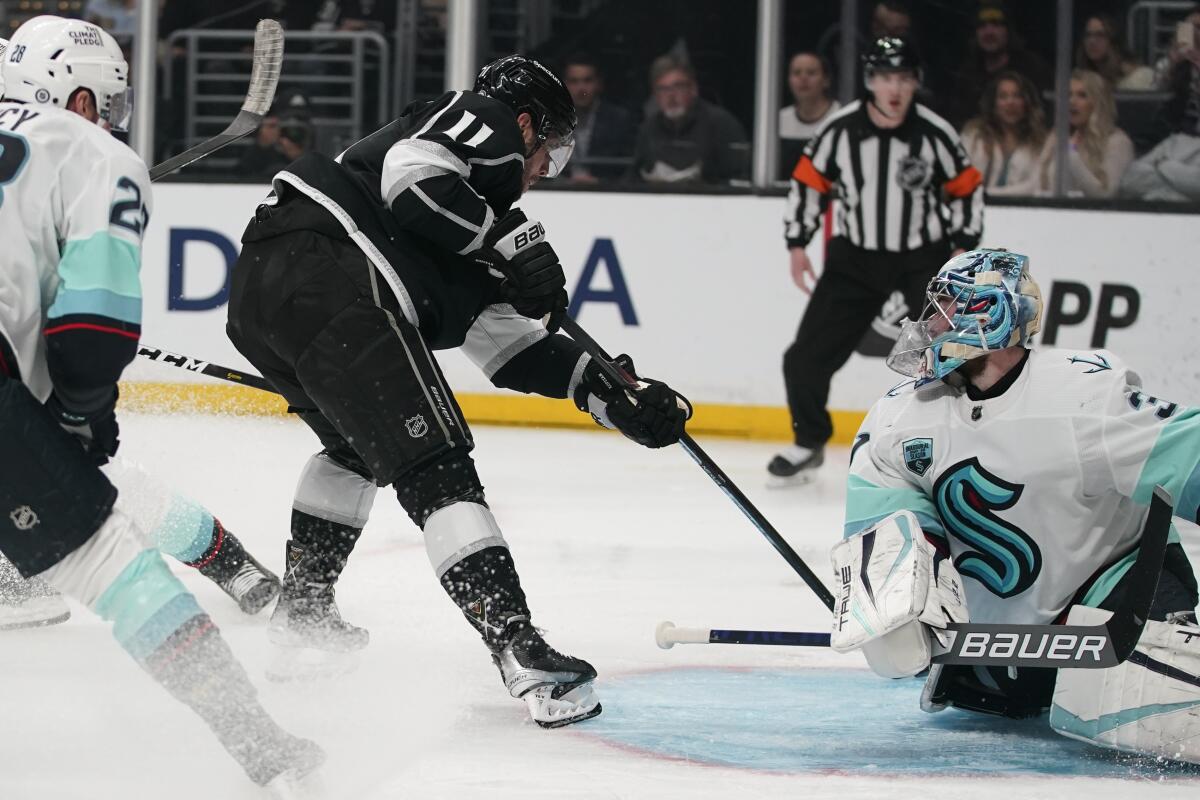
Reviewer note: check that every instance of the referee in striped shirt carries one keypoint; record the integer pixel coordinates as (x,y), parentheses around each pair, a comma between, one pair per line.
(908,199)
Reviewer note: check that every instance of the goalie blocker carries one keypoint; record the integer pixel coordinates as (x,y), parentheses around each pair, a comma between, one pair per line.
(900,601)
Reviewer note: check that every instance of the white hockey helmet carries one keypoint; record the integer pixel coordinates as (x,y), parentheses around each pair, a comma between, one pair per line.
(3,47)
(49,58)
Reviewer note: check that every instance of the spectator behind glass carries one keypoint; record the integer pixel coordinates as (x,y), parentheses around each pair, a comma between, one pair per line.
(118,17)
(1099,151)
(891,18)
(994,49)
(809,79)
(604,135)
(1171,171)
(285,134)
(1100,50)
(687,139)
(1005,141)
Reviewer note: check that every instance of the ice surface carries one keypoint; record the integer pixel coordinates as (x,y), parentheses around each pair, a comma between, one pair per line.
(609,539)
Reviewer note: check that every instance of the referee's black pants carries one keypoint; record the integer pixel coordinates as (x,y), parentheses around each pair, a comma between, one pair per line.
(848,295)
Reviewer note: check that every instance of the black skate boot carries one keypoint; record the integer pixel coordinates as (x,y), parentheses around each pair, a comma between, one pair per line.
(795,465)
(307,614)
(556,688)
(239,574)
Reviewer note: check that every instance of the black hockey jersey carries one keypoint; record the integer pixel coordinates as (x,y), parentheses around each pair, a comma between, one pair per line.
(418,197)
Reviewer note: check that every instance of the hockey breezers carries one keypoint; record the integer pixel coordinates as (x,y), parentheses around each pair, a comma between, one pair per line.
(1053,646)
(264,78)
(718,476)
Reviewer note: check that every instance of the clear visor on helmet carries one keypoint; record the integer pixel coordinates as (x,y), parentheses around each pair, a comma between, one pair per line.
(119,114)
(951,308)
(559,149)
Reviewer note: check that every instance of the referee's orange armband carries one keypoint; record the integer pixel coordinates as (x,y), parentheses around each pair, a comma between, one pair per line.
(807,174)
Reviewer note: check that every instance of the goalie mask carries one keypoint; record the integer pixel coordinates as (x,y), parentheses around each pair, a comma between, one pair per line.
(50,58)
(980,301)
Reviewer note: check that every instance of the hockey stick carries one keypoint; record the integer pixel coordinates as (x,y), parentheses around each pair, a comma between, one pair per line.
(264,78)
(204,368)
(718,476)
(1053,646)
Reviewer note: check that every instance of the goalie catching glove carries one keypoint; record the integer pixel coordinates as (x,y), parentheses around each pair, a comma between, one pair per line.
(652,415)
(516,250)
(897,594)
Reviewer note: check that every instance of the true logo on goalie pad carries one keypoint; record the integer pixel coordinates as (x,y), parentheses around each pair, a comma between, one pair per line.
(918,456)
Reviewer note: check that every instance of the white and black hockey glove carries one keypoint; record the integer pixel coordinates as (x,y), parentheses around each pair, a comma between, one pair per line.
(897,595)
(516,250)
(653,415)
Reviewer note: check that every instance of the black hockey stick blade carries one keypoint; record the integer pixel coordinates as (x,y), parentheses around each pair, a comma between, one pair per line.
(204,368)
(711,469)
(1076,646)
(264,78)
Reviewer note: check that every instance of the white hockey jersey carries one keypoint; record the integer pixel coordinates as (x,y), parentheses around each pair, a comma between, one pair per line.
(1039,492)
(74,203)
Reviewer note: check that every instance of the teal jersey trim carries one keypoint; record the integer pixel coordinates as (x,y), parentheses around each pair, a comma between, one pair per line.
(1174,462)
(146,604)
(96,301)
(867,504)
(186,532)
(102,262)
(1063,720)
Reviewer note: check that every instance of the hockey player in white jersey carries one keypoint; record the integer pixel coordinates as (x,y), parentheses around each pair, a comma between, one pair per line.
(1028,472)
(74,203)
(179,527)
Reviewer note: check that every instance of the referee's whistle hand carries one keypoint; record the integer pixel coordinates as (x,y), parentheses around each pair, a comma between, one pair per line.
(803,274)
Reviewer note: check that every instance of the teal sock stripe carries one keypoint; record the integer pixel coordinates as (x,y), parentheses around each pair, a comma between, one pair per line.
(146,604)
(186,532)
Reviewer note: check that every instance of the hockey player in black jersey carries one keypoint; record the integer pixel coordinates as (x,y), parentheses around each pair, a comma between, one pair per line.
(351,273)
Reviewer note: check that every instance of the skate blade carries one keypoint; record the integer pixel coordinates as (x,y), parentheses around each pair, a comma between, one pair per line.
(559,723)
(299,664)
(41,622)
(802,478)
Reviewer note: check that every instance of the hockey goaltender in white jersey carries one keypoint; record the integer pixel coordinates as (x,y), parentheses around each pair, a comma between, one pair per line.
(1029,473)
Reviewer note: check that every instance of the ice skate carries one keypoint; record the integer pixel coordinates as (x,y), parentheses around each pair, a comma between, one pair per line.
(251,585)
(28,603)
(795,466)
(296,772)
(556,688)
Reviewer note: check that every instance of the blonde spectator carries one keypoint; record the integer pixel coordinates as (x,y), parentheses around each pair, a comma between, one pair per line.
(1005,141)
(1099,151)
(1100,51)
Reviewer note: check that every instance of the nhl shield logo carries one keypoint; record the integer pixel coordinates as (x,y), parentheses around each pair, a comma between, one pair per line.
(918,455)
(913,173)
(417,426)
(23,517)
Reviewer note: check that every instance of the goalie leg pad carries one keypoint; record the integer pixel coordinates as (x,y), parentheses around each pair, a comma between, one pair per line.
(895,590)
(1149,705)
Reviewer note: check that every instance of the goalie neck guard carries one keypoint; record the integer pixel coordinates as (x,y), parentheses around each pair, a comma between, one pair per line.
(980,301)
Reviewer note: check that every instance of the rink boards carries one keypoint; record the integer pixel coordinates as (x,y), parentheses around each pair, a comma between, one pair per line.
(697,289)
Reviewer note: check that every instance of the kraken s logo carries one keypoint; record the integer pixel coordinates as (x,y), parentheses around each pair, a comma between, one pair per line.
(1002,557)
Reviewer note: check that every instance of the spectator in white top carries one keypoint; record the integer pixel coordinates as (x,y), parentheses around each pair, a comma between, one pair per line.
(809,78)
(1100,51)
(1099,151)
(1005,141)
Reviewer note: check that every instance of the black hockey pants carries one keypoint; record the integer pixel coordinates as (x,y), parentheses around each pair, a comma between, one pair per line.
(849,294)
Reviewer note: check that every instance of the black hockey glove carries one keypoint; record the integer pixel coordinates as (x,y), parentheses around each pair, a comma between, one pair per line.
(534,284)
(97,430)
(652,415)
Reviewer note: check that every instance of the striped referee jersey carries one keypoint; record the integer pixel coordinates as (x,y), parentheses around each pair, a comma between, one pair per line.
(897,189)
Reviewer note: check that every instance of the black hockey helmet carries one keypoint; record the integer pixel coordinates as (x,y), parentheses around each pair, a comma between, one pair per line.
(526,86)
(890,54)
